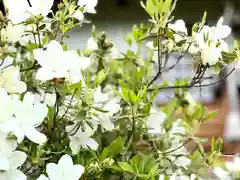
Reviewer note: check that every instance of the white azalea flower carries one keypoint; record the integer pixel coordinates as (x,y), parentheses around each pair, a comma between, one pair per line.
(8,169)
(56,63)
(7,145)
(74,65)
(182,161)
(42,177)
(211,54)
(211,43)
(78,15)
(102,101)
(28,116)
(155,121)
(81,139)
(10,80)
(112,106)
(191,103)
(46,98)
(6,149)
(104,119)
(12,33)
(220,31)
(221,173)
(92,44)
(52,62)
(99,97)
(65,169)
(19,11)
(41,7)
(8,104)
(177,127)
(179,27)
(234,166)
(89,5)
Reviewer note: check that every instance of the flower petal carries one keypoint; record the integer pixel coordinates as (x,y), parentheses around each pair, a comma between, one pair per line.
(17,159)
(53,171)
(42,177)
(35,136)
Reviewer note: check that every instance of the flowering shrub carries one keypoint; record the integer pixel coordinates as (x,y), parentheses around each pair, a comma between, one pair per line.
(71,114)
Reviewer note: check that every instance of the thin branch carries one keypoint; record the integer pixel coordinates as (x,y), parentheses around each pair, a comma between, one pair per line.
(34,66)
(193,85)
(159,60)
(178,59)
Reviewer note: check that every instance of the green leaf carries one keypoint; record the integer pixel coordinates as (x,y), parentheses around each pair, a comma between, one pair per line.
(212,144)
(128,39)
(210,115)
(100,77)
(133,97)
(204,18)
(115,148)
(199,113)
(126,167)
(100,109)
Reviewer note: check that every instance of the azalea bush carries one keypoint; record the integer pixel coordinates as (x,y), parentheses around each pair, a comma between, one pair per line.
(92,114)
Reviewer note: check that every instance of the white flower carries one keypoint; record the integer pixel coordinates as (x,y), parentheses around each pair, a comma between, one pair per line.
(28,116)
(81,139)
(179,27)
(212,53)
(8,169)
(104,119)
(12,33)
(99,97)
(52,62)
(182,161)
(211,43)
(74,65)
(101,100)
(7,145)
(155,121)
(177,127)
(56,63)
(42,177)
(8,104)
(220,31)
(41,7)
(191,103)
(78,15)
(19,11)
(220,173)
(89,5)
(112,106)
(46,98)
(65,169)
(92,44)
(10,80)
(234,166)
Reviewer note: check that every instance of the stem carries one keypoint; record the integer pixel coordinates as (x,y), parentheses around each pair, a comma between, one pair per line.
(173,150)
(39,37)
(133,123)
(159,36)
(193,85)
